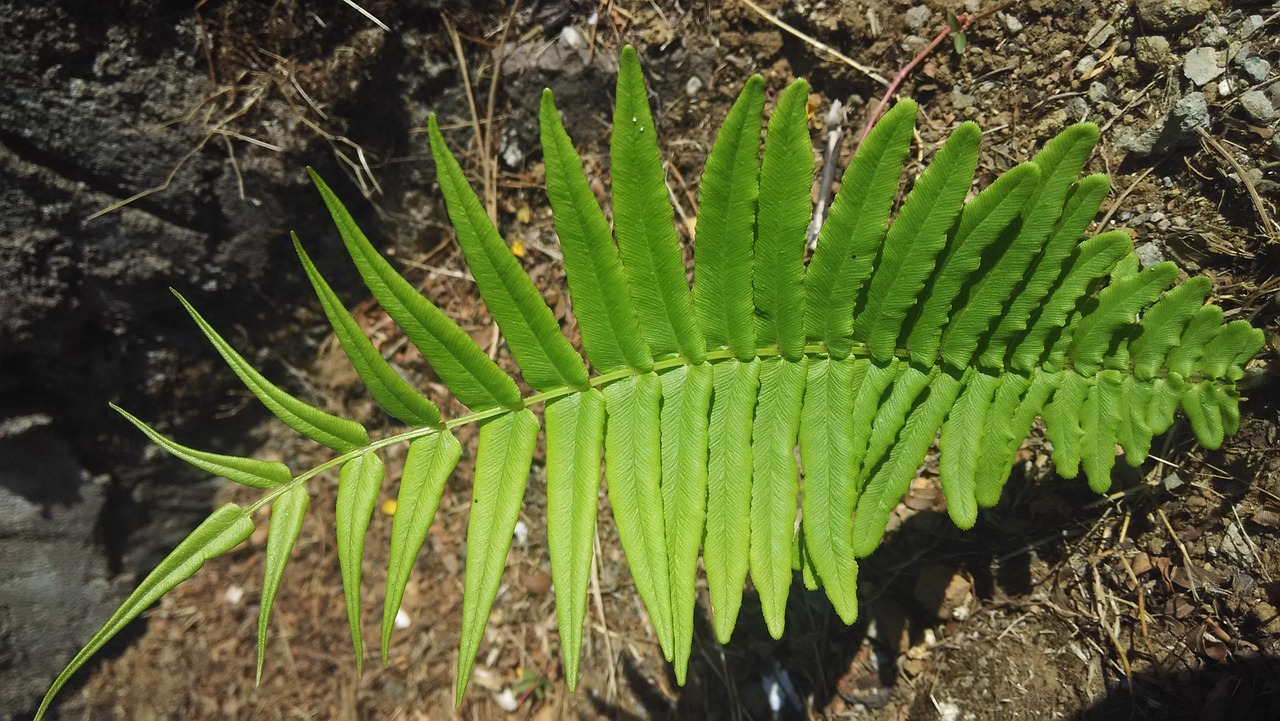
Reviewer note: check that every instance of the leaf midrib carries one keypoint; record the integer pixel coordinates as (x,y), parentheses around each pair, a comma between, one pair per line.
(718,355)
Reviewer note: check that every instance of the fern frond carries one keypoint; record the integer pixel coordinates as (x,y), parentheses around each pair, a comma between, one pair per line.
(967,318)
(287,514)
(645,222)
(502,471)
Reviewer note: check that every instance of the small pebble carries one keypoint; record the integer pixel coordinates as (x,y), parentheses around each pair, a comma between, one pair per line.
(1149,254)
(1251,25)
(1152,51)
(1166,15)
(693,86)
(1202,65)
(1098,92)
(918,16)
(961,100)
(1255,69)
(1011,23)
(1257,106)
(1086,64)
(1100,33)
(1216,36)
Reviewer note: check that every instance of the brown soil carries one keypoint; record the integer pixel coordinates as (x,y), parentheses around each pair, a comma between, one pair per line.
(1161,600)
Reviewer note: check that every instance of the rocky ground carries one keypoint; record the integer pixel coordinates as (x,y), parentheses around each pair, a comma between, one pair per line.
(1159,601)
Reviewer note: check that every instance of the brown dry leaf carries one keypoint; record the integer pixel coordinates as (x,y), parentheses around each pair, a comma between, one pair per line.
(1267,517)
(1206,642)
(1141,563)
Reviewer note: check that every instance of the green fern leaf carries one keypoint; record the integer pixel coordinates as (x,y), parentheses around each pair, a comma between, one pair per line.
(914,240)
(726,227)
(850,238)
(701,398)
(546,359)
(1060,162)
(337,433)
(1163,323)
(287,513)
(725,553)
(384,384)
(1062,421)
(222,531)
(601,301)
(1015,405)
(358,486)
(644,224)
(881,489)
(775,484)
(575,437)
(960,445)
(686,400)
(426,468)
(981,221)
(465,368)
(245,471)
(786,174)
(1090,261)
(633,469)
(826,432)
(502,471)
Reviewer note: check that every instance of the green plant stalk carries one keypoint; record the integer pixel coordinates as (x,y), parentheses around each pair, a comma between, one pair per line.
(713,356)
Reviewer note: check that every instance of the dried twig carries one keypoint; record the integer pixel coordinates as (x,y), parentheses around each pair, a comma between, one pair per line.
(830,159)
(1102,224)
(818,44)
(1263,216)
(612,687)
(489,155)
(963,22)
(1186,556)
(368,15)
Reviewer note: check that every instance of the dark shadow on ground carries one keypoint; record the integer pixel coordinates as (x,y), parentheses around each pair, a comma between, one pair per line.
(1243,688)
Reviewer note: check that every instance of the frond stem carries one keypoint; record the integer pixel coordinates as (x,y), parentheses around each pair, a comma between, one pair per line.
(596,381)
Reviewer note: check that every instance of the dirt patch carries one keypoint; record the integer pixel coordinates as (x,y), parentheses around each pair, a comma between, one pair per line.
(1158,601)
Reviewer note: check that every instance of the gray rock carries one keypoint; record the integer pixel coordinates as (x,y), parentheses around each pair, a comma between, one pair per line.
(1202,65)
(1257,106)
(1011,23)
(918,16)
(1251,25)
(1086,64)
(1255,69)
(1098,92)
(1216,36)
(961,100)
(1175,130)
(1100,33)
(1168,15)
(1239,52)
(1149,254)
(693,86)
(1152,51)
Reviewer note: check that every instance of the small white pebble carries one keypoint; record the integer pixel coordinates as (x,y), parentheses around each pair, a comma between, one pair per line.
(402,620)
(522,533)
(506,700)
(234,594)
(947,711)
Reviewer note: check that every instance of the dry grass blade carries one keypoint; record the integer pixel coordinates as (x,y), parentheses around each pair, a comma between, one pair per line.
(367,14)
(1264,217)
(817,44)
